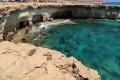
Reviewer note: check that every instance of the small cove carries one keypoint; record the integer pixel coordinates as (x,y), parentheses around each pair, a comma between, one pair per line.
(96,43)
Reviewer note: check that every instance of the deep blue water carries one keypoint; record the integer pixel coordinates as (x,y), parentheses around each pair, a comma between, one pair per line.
(113,3)
(95,43)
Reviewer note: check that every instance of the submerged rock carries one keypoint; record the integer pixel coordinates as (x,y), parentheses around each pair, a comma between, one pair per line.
(27,62)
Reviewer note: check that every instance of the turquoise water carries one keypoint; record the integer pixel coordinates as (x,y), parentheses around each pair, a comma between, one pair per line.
(96,43)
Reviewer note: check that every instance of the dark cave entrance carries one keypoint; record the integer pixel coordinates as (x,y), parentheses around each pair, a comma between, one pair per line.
(62,14)
(23,24)
(37,18)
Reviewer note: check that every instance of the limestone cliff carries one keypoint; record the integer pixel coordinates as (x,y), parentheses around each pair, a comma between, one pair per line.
(17,16)
(27,62)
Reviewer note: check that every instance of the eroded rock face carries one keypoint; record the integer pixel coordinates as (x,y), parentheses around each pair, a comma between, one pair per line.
(46,17)
(27,62)
(19,15)
(1,37)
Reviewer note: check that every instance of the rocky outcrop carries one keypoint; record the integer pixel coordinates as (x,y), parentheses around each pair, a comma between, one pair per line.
(22,15)
(27,62)
(46,17)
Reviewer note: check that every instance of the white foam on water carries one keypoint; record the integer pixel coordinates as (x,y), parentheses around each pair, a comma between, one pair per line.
(46,25)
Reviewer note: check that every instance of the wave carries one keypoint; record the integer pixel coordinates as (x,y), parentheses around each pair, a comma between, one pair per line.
(46,25)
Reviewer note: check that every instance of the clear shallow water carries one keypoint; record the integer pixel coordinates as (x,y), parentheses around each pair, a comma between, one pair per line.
(95,43)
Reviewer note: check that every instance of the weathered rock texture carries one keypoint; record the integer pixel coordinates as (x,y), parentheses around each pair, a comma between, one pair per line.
(27,62)
(17,16)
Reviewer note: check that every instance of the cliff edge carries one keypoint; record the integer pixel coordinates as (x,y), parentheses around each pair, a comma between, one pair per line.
(8,7)
(27,62)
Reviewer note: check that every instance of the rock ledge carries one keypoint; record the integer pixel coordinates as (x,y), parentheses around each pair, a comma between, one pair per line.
(27,62)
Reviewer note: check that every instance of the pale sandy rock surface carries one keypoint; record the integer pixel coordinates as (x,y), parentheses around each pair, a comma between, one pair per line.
(27,62)
(7,7)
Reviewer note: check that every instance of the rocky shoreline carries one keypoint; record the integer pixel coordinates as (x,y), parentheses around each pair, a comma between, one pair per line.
(27,62)
(15,16)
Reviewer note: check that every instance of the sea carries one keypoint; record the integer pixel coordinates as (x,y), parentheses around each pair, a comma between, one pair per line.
(96,43)
(113,3)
